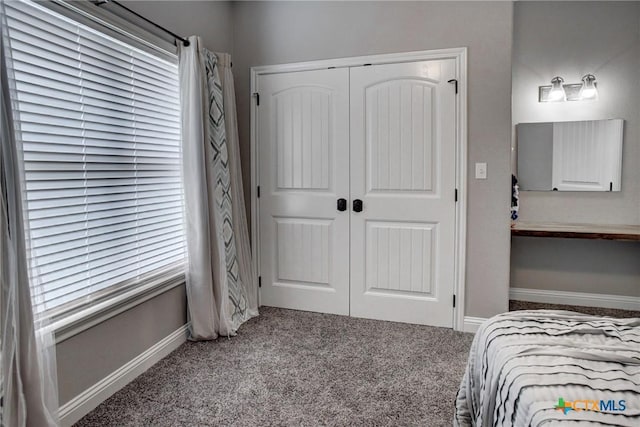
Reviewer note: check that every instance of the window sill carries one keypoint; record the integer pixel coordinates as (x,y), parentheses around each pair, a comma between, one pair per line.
(82,320)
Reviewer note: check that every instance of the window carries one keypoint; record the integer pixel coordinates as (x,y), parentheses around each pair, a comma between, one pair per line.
(98,121)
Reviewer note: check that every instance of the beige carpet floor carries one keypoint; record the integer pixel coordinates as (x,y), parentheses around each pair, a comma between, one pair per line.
(294,368)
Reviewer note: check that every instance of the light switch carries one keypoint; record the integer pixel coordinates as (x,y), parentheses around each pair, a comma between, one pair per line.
(481,171)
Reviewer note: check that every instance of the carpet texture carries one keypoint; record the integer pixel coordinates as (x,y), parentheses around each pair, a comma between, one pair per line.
(294,368)
(596,311)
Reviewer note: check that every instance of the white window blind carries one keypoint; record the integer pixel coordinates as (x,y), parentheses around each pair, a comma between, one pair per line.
(99,125)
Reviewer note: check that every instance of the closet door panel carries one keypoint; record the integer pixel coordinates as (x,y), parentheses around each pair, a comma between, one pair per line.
(403,169)
(303,143)
(400,129)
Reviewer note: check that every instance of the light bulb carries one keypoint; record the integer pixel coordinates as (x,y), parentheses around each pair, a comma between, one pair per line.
(588,90)
(557,90)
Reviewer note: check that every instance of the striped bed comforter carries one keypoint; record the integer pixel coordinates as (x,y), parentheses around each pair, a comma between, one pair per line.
(547,367)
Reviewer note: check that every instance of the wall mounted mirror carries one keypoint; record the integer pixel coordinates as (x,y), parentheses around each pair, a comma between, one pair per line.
(570,156)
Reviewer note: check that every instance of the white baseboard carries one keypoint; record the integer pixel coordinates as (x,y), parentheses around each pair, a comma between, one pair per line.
(471,324)
(85,402)
(575,298)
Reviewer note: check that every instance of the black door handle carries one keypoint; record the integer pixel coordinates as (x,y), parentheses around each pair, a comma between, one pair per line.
(357,205)
(342,205)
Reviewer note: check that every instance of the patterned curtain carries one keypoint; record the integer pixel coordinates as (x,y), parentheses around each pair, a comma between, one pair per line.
(225,242)
(221,288)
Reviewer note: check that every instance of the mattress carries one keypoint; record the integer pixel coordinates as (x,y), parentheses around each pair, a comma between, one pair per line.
(547,367)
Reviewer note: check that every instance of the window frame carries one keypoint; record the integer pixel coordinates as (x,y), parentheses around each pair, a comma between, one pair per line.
(73,317)
(73,322)
(101,19)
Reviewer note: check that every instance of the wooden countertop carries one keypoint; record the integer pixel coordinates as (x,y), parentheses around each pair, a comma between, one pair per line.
(577,231)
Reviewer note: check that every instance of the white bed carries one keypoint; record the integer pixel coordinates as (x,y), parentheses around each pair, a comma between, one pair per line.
(523,365)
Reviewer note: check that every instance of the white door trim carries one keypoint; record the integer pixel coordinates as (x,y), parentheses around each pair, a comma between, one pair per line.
(460,56)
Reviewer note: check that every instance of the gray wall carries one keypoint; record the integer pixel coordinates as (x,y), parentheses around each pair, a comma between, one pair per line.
(211,20)
(88,357)
(571,39)
(279,32)
(603,267)
(95,353)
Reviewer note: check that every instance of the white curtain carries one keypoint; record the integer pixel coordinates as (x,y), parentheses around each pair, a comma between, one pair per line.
(27,351)
(240,223)
(221,286)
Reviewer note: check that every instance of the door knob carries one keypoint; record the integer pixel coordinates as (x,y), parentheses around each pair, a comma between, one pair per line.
(342,205)
(357,205)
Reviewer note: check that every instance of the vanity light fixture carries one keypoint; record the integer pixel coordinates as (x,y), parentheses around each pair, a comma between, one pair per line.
(559,92)
(589,89)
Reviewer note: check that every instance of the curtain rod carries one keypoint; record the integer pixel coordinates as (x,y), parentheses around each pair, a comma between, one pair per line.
(174,35)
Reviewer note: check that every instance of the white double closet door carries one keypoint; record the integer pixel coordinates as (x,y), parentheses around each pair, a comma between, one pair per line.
(382,138)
